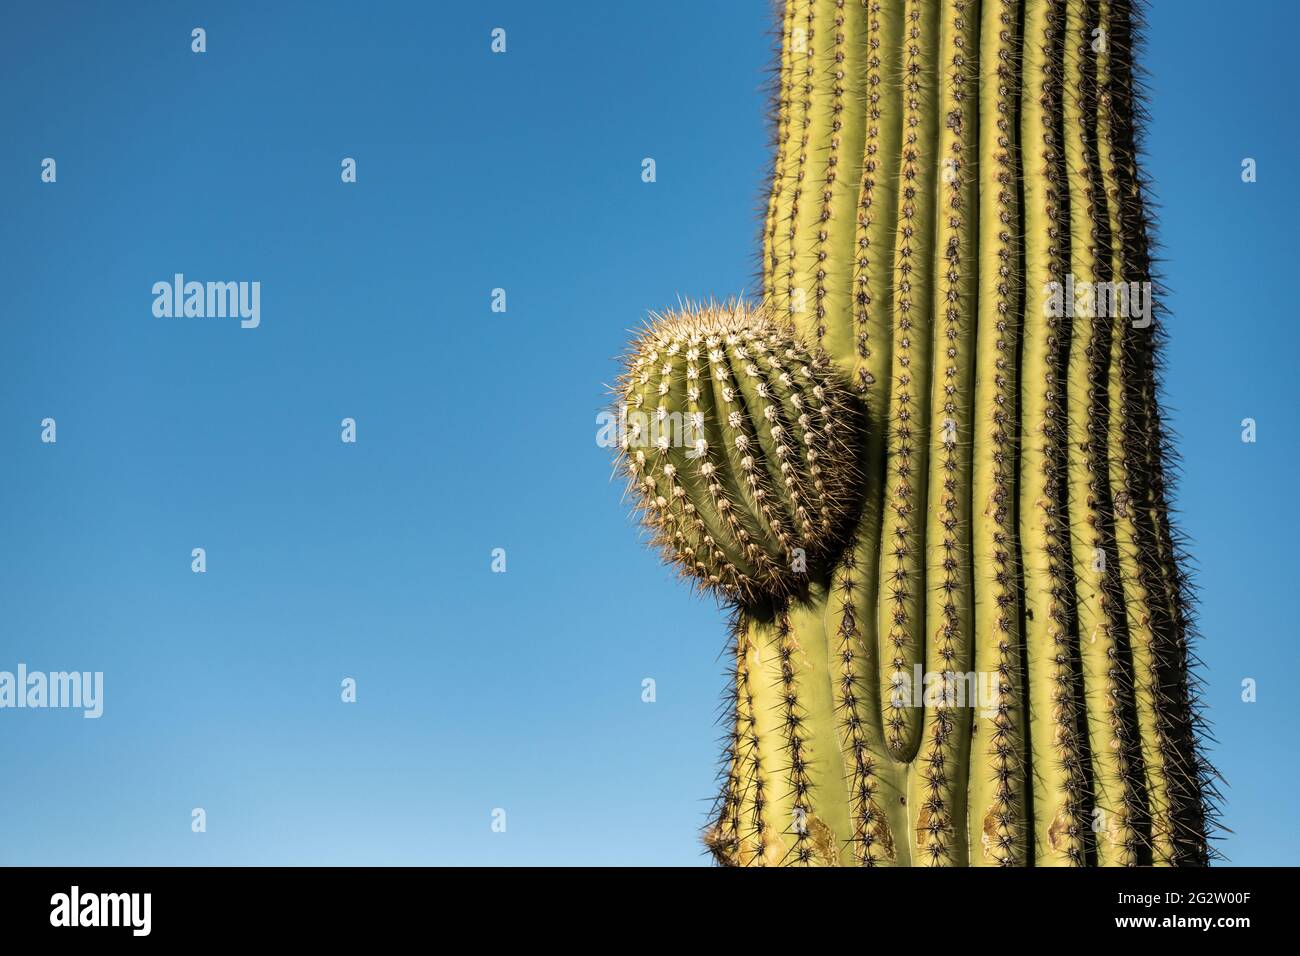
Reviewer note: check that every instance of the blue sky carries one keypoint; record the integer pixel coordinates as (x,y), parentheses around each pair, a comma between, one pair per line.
(371,560)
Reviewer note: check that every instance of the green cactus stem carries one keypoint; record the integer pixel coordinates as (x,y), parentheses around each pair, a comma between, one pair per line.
(946,406)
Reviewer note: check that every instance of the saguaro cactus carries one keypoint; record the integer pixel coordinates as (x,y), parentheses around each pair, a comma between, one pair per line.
(928,470)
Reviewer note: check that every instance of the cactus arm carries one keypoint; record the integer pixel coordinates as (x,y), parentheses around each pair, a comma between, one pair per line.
(937,789)
(902,593)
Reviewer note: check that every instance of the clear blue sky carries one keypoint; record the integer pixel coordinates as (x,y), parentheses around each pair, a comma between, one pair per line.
(476,430)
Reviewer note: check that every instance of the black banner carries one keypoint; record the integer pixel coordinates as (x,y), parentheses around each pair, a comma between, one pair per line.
(952,907)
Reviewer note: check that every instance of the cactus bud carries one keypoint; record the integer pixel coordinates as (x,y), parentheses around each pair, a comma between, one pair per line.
(748,465)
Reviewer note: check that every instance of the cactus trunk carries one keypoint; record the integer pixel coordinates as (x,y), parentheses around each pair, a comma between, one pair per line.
(985,661)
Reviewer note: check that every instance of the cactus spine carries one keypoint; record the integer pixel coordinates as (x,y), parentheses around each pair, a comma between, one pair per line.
(978,474)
